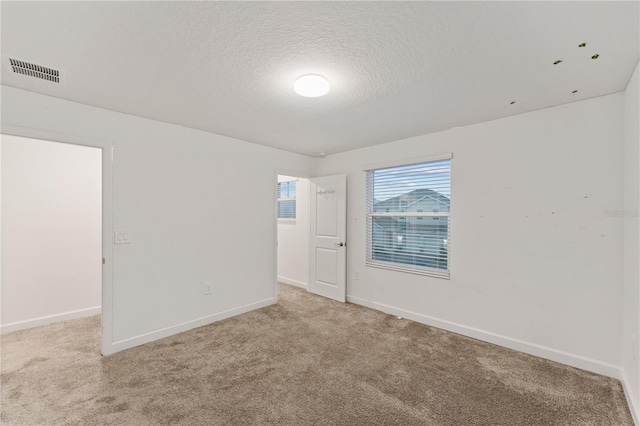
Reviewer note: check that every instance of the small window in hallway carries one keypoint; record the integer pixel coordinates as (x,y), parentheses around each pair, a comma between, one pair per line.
(287,200)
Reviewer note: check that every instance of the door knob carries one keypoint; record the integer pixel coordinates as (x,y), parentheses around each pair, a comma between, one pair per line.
(340,245)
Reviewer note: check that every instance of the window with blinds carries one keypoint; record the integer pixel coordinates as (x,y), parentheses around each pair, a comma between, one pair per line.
(287,200)
(409,217)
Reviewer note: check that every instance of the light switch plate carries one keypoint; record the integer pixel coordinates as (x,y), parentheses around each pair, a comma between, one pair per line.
(121,236)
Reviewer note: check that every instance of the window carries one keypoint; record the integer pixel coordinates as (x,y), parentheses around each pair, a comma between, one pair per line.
(287,200)
(399,198)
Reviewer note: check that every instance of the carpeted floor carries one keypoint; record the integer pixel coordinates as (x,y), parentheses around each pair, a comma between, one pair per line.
(305,361)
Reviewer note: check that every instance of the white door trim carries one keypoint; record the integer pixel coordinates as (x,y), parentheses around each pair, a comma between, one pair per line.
(107,224)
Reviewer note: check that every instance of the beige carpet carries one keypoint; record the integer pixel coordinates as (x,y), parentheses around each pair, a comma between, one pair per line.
(305,361)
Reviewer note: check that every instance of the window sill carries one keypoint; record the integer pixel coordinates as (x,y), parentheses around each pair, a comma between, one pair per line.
(287,221)
(435,273)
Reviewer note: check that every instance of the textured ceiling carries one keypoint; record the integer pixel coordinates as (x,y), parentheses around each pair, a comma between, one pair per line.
(397,69)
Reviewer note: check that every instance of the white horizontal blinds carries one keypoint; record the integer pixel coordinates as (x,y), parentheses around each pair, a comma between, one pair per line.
(287,200)
(408,217)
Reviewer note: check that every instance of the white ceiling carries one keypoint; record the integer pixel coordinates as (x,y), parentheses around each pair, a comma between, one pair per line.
(397,69)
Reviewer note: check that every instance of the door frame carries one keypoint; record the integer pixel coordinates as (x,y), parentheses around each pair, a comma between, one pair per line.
(285,172)
(106,305)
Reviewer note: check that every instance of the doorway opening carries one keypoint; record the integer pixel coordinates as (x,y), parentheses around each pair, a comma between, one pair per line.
(292,218)
(53,229)
(311,234)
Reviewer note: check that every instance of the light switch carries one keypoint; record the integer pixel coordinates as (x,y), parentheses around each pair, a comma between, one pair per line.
(121,236)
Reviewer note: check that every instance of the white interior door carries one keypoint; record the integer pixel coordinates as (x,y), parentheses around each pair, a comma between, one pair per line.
(328,244)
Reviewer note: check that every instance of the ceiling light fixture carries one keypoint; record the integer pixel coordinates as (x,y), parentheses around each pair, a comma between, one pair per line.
(311,86)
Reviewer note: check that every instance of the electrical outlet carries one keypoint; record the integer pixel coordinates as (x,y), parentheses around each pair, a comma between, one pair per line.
(121,236)
(208,288)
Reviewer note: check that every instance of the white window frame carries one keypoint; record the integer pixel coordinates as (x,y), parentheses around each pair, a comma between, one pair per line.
(400,267)
(288,219)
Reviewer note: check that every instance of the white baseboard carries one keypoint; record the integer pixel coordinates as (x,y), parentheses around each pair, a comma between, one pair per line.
(562,357)
(358,301)
(631,401)
(290,281)
(185,326)
(50,319)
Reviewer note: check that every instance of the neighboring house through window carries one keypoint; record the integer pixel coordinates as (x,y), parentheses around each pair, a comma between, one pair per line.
(287,200)
(399,198)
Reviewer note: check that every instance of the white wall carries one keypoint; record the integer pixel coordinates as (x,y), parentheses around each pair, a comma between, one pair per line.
(631,327)
(51,228)
(199,208)
(293,238)
(536,264)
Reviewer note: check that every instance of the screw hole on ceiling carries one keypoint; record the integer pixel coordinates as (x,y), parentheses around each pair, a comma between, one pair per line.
(596,56)
(557,62)
(513,102)
(574,92)
(582,44)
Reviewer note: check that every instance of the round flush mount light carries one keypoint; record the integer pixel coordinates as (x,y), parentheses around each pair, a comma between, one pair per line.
(311,86)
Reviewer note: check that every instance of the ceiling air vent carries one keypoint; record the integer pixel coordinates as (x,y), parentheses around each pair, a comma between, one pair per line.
(33,70)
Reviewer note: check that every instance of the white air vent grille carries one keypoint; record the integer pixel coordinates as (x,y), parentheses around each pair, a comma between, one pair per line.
(33,70)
